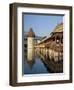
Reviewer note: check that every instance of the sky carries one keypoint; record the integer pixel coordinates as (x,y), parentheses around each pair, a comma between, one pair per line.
(42,25)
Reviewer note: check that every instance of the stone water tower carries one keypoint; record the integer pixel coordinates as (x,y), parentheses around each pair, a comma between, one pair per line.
(30,44)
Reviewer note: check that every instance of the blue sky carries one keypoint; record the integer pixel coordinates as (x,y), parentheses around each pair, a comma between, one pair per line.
(42,25)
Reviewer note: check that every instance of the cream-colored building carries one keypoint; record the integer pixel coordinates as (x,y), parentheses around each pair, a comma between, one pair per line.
(30,44)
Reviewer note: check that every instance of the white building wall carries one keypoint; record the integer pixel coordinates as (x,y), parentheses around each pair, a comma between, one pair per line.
(30,48)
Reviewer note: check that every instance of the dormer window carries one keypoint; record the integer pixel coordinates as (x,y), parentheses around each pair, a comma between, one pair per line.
(57,39)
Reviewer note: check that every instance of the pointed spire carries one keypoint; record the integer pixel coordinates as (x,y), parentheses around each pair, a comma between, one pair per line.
(31,33)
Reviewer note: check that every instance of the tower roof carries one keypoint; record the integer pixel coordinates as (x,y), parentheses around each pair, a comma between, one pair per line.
(31,33)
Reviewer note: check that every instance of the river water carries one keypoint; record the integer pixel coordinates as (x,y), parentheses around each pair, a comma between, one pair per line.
(38,65)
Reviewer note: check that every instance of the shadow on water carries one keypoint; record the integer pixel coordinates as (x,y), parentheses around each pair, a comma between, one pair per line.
(53,67)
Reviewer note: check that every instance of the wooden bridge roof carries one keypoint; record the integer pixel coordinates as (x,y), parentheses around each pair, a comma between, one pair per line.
(58,28)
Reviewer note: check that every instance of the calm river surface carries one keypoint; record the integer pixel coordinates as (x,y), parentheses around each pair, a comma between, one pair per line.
(34,67)
(38,65)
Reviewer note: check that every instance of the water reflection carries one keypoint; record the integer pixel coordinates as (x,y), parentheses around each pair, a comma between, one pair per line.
(37,63)
(31,63)
(30,55)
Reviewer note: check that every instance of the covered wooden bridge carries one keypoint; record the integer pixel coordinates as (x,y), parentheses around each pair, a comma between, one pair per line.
(52,46)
